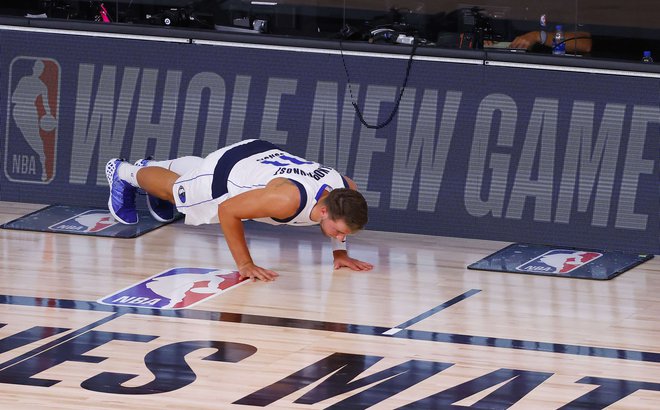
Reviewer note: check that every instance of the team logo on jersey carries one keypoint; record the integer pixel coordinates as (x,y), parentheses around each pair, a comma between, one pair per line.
(176,288)
(32,120)
(89,221)
(559,261)
(182,194)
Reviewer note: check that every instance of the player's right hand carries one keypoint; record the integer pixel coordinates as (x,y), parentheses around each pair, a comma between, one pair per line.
(255,272)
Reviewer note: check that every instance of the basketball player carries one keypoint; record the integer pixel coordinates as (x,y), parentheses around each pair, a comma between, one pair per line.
(252,179)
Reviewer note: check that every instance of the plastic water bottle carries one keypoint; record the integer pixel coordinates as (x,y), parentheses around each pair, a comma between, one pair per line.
(646,58)
(558,45)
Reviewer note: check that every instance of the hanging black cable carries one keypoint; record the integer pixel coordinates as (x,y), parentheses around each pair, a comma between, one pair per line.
(358,112)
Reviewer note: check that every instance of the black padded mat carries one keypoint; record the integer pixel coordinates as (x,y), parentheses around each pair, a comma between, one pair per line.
(560,261)
(83,221)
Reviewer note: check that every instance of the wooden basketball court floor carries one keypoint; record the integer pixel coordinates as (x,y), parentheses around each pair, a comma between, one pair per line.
(419,331)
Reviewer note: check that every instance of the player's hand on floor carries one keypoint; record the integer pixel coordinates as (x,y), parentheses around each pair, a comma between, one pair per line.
(351,263)
(255,272)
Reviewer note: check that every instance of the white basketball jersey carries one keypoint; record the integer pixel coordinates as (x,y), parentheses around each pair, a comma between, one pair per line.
(269,162)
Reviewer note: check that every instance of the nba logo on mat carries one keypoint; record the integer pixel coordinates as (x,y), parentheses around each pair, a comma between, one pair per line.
(33,97)
(90,221)
(559,261)
(176,288)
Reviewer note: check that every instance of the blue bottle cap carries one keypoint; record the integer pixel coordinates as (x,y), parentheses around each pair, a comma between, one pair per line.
(647,54)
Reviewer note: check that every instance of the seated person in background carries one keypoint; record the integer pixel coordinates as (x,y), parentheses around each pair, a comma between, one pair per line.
(576,42)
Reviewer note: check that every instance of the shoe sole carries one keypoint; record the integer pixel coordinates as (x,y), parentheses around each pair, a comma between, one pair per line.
(154,214)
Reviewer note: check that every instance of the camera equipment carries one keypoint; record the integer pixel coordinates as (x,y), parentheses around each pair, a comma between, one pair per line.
(190,14)
(389,35)
(244,23)
(473,27)
(171,17)
(262,16)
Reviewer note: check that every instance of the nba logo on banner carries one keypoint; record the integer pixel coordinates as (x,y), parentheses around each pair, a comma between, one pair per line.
(176,288)
(90,221)
(559,261)
(32,118)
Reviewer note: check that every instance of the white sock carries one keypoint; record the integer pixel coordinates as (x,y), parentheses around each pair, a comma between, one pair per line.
(180,166)
(128,172)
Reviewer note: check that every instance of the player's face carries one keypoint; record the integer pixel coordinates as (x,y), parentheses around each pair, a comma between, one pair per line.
(335,229)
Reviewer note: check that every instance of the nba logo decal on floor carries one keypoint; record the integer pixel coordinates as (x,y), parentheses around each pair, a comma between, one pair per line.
(559,261)
(90,221)
(547,260)
(176,288)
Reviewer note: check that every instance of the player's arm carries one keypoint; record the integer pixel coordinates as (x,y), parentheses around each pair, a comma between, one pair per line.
(339,248)
(351,184)
(575,41)
(279,199)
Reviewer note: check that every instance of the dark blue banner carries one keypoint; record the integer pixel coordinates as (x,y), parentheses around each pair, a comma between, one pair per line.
(475,150)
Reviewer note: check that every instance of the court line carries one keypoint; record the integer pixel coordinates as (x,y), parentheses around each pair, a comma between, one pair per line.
(430,312)
(54,343)
(579,350)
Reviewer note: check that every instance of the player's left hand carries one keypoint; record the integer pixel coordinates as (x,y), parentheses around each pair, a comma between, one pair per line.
(343,260)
